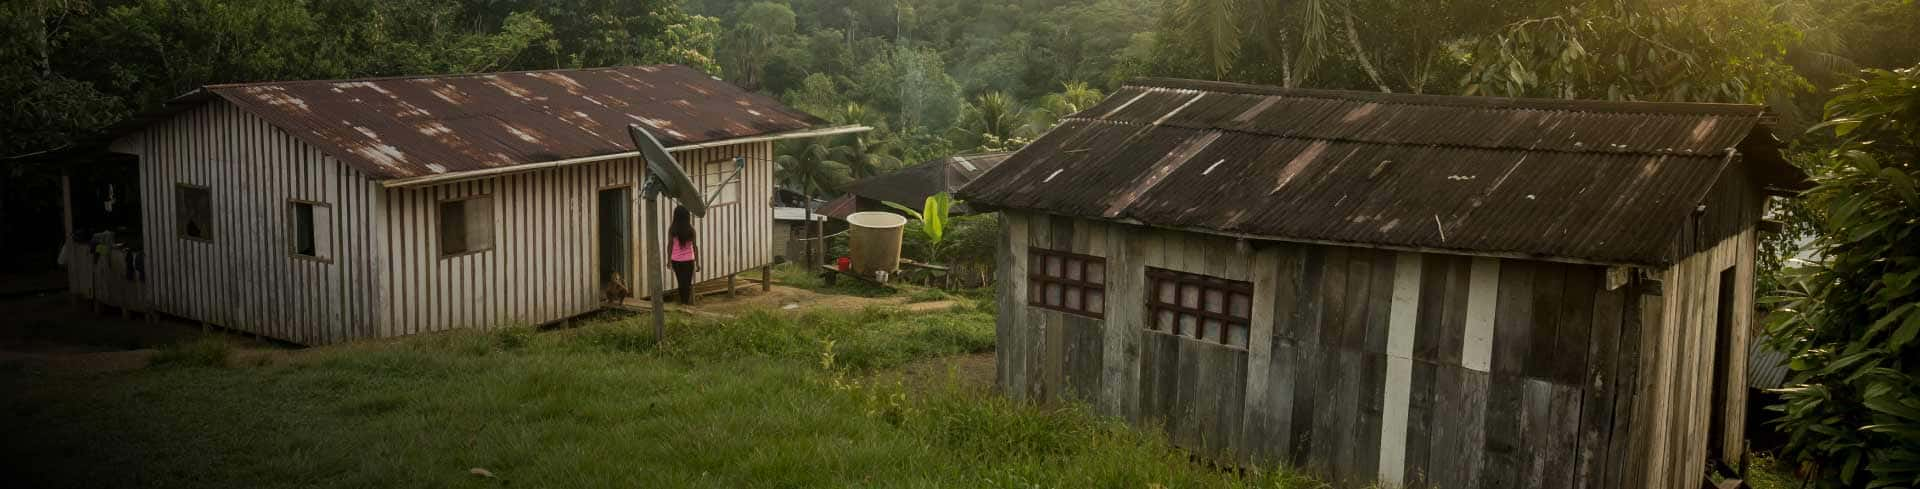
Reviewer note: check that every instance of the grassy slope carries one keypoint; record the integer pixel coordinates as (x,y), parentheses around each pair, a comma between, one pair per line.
(745,403)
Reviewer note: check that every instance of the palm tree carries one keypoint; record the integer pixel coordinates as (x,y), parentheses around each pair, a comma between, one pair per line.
(1073,98)
(865,156)
(810,165)
(993,117)
(1297,31)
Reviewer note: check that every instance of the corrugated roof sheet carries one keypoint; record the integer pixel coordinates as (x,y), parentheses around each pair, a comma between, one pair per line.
(1606,182)
(1767,368)
(840,207)
(912,185)
(418,126)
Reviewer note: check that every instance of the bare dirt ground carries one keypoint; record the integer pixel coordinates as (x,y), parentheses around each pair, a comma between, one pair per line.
(46,331)
(786,298)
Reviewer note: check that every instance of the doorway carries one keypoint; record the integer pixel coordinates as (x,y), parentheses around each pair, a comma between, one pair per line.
(1723,358)
(615,231)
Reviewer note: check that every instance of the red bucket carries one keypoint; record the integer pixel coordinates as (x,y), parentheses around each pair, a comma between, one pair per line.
(843,263)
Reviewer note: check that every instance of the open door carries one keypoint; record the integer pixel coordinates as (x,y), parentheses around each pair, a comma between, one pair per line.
(615,231)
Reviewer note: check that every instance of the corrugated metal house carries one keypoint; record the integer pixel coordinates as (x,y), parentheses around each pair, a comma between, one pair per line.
(322,211)
(1423,290)
(912,185)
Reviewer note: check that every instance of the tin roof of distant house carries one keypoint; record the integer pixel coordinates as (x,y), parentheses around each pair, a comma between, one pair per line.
(1605,182)
(912,185)
(421,126)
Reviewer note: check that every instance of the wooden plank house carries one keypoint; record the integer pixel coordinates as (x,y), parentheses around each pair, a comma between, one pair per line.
(1426,291)
(323,211)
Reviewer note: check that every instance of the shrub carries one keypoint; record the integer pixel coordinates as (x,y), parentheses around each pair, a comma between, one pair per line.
(1851,320)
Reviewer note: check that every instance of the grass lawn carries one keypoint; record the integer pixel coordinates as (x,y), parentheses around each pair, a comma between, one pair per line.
(769,400)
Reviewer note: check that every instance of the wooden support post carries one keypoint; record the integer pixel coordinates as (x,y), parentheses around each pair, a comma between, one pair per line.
(66,206)
(766,278)
(730,292)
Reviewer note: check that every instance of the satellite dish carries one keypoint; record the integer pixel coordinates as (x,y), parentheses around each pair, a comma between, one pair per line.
(672,179)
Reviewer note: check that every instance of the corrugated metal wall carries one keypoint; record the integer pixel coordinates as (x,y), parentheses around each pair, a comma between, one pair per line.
(544,263)
(246,277)
(1420,369)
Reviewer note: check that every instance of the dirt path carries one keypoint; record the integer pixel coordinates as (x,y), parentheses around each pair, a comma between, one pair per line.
(786,298)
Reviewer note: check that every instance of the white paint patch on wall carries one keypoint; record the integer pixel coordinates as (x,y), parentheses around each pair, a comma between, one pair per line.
(1397,396)
(1483,297)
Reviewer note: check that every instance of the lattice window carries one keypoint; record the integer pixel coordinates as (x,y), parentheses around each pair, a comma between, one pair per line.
(1199,306)
(1067,282)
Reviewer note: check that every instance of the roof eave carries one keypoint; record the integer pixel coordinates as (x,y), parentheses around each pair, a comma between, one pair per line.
(1653,263)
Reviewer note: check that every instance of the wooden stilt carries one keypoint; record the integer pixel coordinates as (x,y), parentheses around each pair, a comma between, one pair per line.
(730,290)
(766,278)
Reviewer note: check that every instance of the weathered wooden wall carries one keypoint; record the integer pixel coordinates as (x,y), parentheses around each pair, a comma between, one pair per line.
(1672,402)
(383,275)
(1418,369)
(245,278)
(544,266)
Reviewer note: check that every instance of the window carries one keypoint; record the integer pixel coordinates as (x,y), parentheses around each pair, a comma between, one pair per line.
(1067,282)
(466,225)
(193,204)
(1198,306)
(720,182)
(309,223)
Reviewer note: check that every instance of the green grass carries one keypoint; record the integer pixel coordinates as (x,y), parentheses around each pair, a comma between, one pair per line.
(928,295)
(765,401)
(1767,472)
(205,351)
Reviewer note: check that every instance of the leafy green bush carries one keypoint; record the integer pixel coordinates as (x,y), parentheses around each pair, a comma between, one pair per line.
(1851,320)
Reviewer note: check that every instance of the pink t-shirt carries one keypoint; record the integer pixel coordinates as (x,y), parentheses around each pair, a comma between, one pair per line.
(678,251)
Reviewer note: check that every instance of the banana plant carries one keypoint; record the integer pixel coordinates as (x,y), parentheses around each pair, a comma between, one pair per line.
(933,220)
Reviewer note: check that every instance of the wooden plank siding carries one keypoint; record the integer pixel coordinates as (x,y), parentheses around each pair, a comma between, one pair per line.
(1673,393)
(382,273)
(246,277)
(544,265)
(1419,370)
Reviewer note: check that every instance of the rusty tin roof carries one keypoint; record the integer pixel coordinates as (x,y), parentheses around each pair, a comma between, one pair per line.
(912,185)
(1603,182)
(405,127)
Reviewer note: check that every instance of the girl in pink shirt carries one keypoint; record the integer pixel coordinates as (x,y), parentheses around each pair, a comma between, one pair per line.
(683,252)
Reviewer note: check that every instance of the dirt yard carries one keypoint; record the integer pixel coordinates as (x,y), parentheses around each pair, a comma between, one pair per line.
(782,297)
(45,330)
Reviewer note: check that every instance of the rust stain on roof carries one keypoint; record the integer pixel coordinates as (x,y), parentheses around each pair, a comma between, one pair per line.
(416,126)
(1591,181)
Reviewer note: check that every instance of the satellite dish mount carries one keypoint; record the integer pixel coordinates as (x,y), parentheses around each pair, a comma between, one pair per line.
(664,176)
